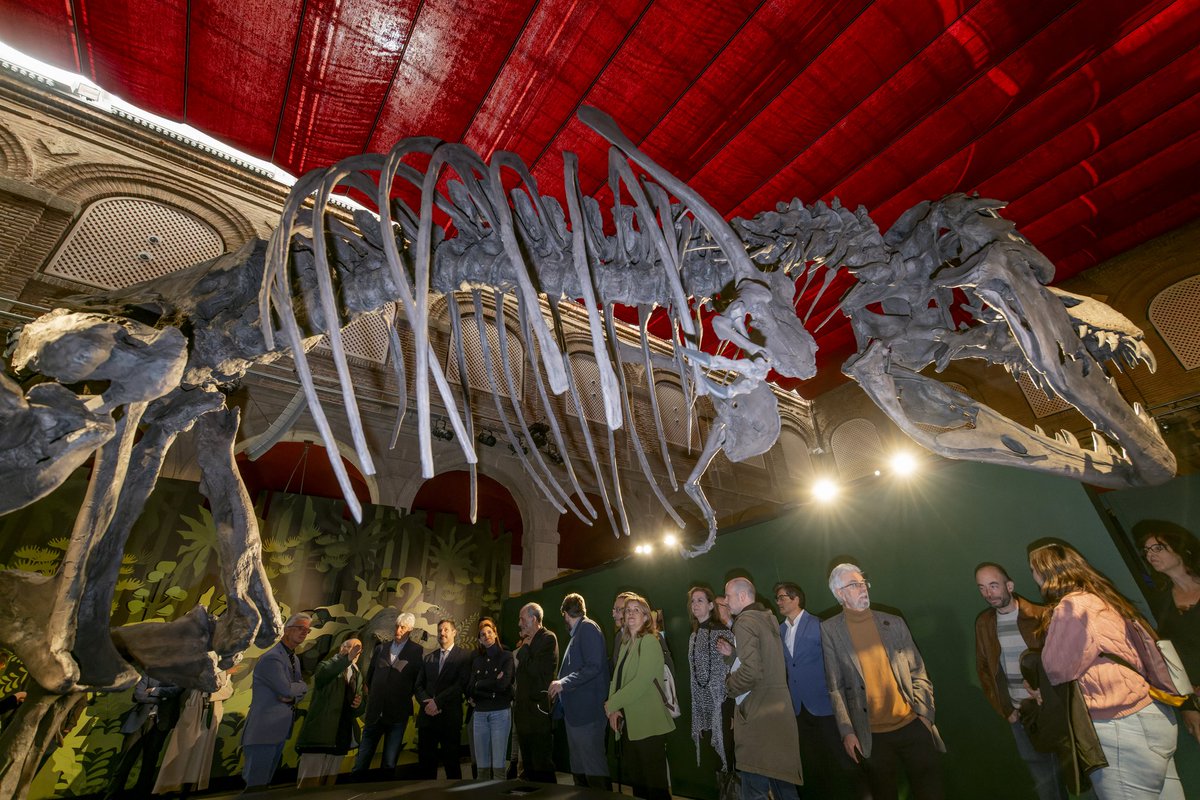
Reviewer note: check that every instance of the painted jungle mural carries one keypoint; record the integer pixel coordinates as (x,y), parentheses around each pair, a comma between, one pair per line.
(354,578)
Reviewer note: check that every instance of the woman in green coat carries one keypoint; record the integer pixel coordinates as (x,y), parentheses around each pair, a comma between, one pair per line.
(328,732)
(636,708)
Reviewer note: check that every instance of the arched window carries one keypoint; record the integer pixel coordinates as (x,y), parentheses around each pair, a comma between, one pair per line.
(1175,314)
(587,383)
(857,450)
(795,453)
(120,241)
(672,409)
(476,374)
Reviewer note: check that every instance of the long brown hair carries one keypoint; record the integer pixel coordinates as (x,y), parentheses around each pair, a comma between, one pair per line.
(708,595)
(1180,540)
(1064,570)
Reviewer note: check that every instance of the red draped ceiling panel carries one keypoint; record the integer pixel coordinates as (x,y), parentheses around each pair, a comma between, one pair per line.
(1082,115)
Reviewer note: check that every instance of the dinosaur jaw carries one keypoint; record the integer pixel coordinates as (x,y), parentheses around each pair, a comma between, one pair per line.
(1127,448)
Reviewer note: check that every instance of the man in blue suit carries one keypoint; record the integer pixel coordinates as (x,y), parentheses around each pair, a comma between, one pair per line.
(828,772)
(277,687)
(580,692)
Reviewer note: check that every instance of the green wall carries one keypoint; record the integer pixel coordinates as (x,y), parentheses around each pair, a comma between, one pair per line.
(918,540)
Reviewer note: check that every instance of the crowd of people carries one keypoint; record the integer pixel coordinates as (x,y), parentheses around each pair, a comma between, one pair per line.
(835,707)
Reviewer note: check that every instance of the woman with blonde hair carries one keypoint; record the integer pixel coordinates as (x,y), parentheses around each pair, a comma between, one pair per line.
(636,708)
(1091,630)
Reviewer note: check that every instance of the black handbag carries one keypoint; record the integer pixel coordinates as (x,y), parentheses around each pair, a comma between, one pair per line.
(729,785)
(1061,724)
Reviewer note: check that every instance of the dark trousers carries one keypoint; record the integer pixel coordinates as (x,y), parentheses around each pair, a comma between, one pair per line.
(537,754)
(392,734)
(145,743)
(913,749)
(646,765)
(828,771)
(439,743)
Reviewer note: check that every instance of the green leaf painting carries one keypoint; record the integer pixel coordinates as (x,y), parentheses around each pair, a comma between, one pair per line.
(355,578)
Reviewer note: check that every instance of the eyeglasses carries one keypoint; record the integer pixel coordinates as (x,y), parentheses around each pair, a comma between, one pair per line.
(861,585)
(304,628)
(1153,548)
(779,598)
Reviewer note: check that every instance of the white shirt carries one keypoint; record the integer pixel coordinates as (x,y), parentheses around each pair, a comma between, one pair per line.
(789,636)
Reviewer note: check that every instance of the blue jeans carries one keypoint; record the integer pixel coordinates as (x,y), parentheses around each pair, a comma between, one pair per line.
(755,787)
(1043,767)
(490,731)
(392,734)
(1140,749)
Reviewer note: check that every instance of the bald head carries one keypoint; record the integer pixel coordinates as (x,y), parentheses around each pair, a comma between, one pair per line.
(740,593)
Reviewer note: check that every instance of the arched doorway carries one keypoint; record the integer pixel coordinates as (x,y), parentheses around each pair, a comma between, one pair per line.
(450,493)
(582,546)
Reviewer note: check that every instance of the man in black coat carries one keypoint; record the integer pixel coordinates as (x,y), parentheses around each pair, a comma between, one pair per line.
(440,685)
(145,727)
(537,662)
(391,679)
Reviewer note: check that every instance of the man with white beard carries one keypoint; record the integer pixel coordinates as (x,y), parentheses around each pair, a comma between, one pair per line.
(882,698)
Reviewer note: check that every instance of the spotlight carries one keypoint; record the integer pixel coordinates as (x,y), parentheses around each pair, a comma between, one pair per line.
(670,540)
(825,490)
(486,438)
(441,431)
(904,463)
(643,549)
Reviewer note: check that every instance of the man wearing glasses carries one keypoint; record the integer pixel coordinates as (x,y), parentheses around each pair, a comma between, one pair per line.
(579,694)
(882,698)
(275,690)
(820,743)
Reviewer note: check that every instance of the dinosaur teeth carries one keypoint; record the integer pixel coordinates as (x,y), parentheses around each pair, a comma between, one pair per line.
(1038,430)
(1066,437)
(1100,445)
(1137,409)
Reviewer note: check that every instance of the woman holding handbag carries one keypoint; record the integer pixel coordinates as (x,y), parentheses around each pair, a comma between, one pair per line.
(1097,638)
(636,707)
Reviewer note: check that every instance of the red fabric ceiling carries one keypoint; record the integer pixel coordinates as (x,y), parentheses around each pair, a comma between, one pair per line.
(1083,115)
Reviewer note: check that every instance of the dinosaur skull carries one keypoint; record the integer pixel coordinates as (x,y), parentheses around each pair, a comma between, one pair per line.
(912,318)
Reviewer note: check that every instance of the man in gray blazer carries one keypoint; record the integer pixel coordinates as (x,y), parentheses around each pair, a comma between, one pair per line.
(882,699)
(275,690)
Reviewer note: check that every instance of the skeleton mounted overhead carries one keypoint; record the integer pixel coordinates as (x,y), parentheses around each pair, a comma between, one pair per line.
(155,356)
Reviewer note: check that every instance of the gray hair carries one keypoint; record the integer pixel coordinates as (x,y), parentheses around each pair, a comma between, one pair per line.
(294,618)
(835,577)
(534,610)
(407,619)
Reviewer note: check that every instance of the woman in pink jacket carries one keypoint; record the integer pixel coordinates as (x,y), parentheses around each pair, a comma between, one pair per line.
(1089,621)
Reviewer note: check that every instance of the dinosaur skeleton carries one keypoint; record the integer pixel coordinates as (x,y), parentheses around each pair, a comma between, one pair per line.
(950,280)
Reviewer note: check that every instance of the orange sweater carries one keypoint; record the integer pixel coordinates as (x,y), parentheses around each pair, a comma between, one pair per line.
(887,710)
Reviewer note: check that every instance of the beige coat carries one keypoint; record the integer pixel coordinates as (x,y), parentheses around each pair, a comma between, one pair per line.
(764,726)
